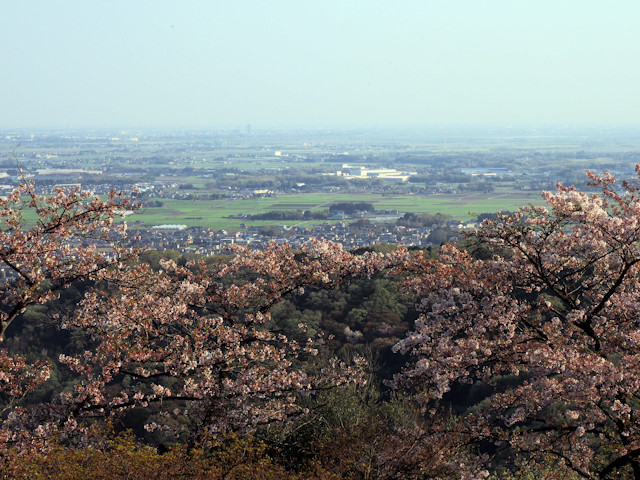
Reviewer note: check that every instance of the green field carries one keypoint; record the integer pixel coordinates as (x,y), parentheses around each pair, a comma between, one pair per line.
(215,213)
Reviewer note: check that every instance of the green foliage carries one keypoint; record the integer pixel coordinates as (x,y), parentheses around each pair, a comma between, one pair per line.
(368,315)
(440,235)
(154,257)
(270,231)
(377,248)
(423,219)
(289,215)
(357,434)
(352,207)
(236,458)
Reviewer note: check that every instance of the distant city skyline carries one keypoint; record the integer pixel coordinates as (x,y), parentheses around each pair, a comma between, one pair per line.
(252,65)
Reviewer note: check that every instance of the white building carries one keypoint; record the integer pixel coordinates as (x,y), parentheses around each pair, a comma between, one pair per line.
(353,171)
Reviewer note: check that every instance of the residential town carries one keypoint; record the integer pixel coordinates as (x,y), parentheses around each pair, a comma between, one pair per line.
(204,241)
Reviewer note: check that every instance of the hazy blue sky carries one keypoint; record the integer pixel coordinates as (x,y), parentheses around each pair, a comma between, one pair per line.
(69,63)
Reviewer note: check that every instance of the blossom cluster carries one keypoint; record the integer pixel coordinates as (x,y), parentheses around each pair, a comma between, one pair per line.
(194,338)
(555,311)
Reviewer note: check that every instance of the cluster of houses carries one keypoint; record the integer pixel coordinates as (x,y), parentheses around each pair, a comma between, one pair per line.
(204,241)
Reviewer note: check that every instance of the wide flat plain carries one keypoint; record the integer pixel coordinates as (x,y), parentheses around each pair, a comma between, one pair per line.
(216,213)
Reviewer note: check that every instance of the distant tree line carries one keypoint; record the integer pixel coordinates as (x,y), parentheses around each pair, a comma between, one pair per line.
(348,208)
(288,215)
(352,207)
(485,187)
(416,220)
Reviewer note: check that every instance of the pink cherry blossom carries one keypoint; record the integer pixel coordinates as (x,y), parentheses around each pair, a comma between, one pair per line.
(556,310)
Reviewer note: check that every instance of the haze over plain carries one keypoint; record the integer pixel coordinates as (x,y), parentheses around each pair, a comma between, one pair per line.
(353,63)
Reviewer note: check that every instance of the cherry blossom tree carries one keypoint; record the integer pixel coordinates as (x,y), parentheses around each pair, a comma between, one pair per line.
(552,325)
(49,242)
(193,339)
(46,244)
